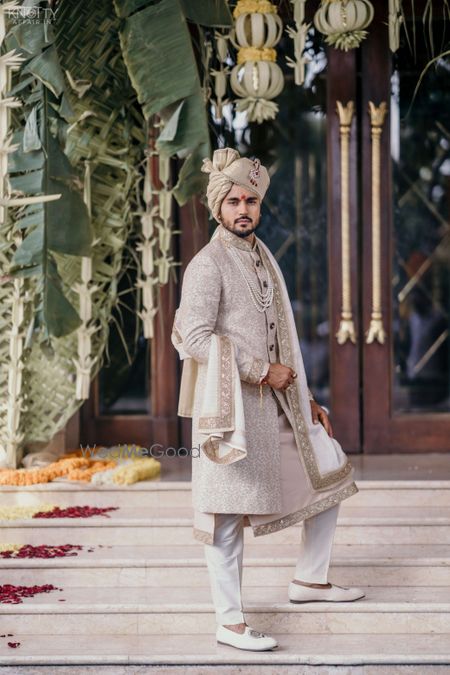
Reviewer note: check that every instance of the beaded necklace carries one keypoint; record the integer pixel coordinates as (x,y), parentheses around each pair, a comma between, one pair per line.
(261,299)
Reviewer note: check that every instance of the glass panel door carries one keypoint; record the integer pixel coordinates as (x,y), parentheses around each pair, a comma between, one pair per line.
(406,379)
(420,156)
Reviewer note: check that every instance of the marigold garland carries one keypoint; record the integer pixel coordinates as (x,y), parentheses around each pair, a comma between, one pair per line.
(142,469)
(254,6)
(86,473)
(129,472)
(256,54)
(76,466)
(71,466)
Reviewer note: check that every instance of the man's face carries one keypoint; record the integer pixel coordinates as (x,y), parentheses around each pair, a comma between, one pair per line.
(241,211)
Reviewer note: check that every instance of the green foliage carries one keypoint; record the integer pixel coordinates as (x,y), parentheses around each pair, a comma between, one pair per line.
(89,138)
(158,51)
(39,166)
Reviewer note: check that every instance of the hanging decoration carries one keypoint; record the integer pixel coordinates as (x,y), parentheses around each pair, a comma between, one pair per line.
(164,222)
(85,361)
(220,75)
(298,35)
(256,78)
(157,229)
(395,20)
(344,21)
(146,248)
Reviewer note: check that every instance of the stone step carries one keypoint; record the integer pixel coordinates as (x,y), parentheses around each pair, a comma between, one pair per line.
(200,654)
(164,566)
(163,493)
(169,526)
(183,610)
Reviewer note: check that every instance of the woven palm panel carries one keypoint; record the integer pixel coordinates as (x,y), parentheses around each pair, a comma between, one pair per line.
(111,137)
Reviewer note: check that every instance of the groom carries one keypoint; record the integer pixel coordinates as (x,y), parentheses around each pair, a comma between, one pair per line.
(292,472)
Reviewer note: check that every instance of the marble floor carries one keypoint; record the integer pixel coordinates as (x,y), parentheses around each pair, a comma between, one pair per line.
(423,466)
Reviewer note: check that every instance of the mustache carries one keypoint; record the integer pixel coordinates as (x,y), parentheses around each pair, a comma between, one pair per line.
(244,218)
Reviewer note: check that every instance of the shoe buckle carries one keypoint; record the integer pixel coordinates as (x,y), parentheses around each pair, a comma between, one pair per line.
(256,633)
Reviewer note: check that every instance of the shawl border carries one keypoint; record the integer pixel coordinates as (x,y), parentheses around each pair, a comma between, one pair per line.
(306,451)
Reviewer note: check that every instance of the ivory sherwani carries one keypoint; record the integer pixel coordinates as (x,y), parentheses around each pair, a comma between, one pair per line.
(292,468)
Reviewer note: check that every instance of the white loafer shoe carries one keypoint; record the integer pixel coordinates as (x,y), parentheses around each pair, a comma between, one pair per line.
(300,593)
(249,639)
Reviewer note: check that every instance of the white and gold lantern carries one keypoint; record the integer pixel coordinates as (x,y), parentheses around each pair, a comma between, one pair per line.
(256,78)
(344,21)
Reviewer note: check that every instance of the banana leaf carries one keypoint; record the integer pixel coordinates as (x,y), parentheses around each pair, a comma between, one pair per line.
(157,49)
(39,166)
(214,13)
(106,130)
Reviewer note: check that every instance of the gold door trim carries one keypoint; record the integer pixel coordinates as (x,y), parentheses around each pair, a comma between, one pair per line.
(346,327)
(376,330)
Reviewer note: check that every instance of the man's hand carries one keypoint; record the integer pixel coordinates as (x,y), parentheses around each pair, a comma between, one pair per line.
(319,415)
(279,376)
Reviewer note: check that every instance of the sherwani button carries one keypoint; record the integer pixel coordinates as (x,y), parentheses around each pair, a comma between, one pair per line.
(272,325)
(271,347)
(265,284)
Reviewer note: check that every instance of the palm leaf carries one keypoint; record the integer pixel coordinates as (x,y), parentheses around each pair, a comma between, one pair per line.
(157,48)
(106,130)
(39,166)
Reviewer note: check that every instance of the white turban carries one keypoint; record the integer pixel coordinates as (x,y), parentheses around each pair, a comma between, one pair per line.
(228,168)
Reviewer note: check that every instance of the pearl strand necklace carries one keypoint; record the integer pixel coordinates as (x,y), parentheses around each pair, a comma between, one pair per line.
(261,299)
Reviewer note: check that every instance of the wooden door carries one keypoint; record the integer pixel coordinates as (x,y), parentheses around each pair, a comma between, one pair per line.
(389,254)
(357,216)
(405,281)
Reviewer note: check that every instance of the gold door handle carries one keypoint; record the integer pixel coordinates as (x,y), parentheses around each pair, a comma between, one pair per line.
(346,327)
(376,330)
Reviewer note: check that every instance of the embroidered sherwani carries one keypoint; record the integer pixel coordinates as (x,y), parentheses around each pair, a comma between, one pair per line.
(279,482)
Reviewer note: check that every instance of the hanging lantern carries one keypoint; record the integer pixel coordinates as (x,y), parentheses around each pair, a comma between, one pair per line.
(256,78)
(343,22)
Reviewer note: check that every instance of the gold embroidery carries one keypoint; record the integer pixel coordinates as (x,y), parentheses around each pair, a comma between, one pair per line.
(254,373)
(233,239)
(203,536)
(225,391)
(318,481)
(306,512)
(211,450)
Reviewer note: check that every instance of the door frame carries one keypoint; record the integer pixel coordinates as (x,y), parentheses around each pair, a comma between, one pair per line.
(344,358)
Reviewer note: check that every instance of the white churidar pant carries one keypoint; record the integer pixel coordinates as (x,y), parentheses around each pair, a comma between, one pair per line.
(224,559)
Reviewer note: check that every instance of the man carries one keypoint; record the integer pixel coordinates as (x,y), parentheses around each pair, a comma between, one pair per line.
(267,458)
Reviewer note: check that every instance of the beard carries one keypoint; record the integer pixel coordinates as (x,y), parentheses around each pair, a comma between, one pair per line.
(241,229)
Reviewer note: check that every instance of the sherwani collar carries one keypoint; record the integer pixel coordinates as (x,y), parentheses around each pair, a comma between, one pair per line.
(232,239)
